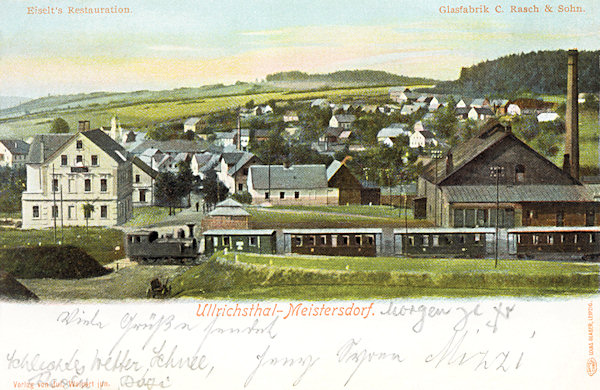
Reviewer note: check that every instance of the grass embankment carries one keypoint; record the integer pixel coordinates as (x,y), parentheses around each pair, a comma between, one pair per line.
(99,243)
(328,217)
(313,277)
(146,216)
(50,261)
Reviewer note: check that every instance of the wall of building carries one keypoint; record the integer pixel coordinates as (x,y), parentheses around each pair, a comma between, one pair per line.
(225,222)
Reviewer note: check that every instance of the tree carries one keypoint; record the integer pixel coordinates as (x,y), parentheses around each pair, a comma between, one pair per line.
(249,104)
(88,209)
(445,122)
(168,190)
(185,178)
(213,189)
(59,125)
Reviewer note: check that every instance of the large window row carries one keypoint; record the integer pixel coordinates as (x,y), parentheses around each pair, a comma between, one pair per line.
(71,212)
(484,217)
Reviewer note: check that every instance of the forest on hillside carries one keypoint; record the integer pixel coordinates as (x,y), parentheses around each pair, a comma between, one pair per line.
(363,77)
(541,72)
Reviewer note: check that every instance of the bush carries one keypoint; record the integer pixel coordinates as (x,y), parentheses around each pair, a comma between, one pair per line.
(242,197)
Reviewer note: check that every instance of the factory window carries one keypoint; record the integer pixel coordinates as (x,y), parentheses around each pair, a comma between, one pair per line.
(94,160)
(36,211)
(590,218)
(560,218)
(519,173)
(64,160)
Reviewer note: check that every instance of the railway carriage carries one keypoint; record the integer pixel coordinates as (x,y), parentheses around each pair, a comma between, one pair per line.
(555,242)
(333,242)
(443,242)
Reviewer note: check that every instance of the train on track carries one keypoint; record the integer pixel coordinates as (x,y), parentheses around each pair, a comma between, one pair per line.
(567,243)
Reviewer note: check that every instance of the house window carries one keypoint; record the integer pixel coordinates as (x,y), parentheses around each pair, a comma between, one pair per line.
(94,160)
(54,211)
(253,241)
(266,195)
(79,144)
(54,185)
(143,196)
(36,211)
(519,173)
(103,185)
(240,187)
(64,160)
(560,218)
(590,218)
(296,194)
(282,195)
(79,159)
(103,211)
(87,185)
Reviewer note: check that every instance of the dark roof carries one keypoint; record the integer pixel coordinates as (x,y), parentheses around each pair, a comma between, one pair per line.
(345,118)
(16,146)
(532,103)
(44,145)
(296,176)
(427,134)
(171,146)
(518,193)
(462,110)
(245,159)
(145,167)
(333,131)
(491,132)
(108,145)
(484,111)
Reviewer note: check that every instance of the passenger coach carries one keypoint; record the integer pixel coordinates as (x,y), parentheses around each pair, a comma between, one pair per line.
(333,242)
(443,242)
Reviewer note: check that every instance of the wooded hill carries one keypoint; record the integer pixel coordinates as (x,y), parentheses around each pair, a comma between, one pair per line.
(542,72)
(359,77)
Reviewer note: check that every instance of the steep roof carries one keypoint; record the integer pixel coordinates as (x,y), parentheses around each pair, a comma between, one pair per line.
(345,118)
(16,146)
(333,168)
(244,159)
(171,146)
(191,121)
(44,145)
(491,132)
(229,207)
(144,167)
(483,111)
(108,145)
(296,176)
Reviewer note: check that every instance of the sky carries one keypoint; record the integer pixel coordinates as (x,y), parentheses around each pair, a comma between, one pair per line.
(179,43)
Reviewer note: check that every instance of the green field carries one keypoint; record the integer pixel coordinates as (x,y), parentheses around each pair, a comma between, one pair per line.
(145,216)
(147,114)
(100,243)
(245,276)
(328,217)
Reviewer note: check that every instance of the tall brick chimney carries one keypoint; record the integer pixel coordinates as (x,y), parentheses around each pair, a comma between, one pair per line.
(572,115)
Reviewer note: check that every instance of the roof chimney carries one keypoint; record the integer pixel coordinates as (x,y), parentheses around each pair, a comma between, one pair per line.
(449,164)
(572,115)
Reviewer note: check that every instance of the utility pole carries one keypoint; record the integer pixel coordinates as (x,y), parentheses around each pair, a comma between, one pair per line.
(496,172)
(53,202)
(436,154)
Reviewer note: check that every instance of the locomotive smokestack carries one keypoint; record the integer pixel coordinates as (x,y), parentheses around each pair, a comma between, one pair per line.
(191,227)
(572,115)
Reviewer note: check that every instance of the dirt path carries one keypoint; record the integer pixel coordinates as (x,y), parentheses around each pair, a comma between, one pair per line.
(126,283)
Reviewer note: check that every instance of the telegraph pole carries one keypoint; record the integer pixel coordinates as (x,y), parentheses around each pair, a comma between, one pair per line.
(53,202)
(497,171)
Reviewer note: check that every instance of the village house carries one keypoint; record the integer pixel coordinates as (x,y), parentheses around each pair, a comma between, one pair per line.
(389,134)
(408,109)
(290,116)
(293,185)
(13,153)
(399,94)
(461,189)
(422,139)
(480,113)
(480,102)
(66,172)
(192,124)
(233,169)
(144,179)
(201,163)
(320,103)
(499,106)
(340,177)
(342,120)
